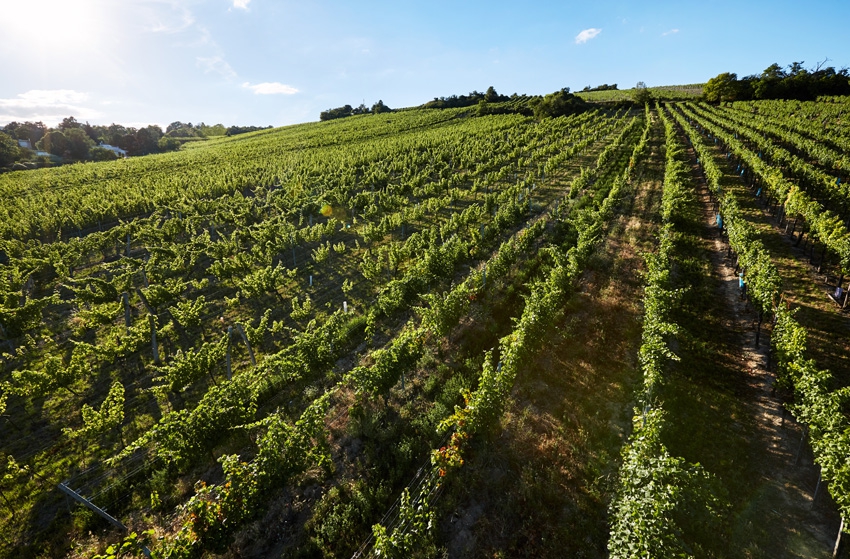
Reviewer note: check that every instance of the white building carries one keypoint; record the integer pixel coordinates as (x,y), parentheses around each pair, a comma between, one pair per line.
(114,149)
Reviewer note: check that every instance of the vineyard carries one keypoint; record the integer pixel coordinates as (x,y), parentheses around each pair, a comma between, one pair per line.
(428,333)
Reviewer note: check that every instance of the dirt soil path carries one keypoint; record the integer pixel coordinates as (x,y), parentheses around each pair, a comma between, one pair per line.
(801,527)
(539,486)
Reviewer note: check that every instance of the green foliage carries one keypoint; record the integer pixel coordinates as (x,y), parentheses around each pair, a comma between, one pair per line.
(469,100)
(9,151)
(78,144)
(658,498)
(132,545)
(303,310)
(98,153)
(109,417)
(168,143)
(11,476)
(723,87)
(16,319)
(559,103)
(339,519)
(776,83)
(445,309)
(379,107)
(190,313)
(412,537)
(663,507)
(263,281)
(389,364)
(641,94)
(186,369)
(815,405)
(54,142)
(216,225)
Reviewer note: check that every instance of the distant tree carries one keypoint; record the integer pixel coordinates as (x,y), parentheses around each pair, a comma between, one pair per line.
(603,87)
(147,140)
(177,125)
(641,94)
(234,130)
(339,112)
(78,143)
(771,83)
(168,143)
(723,87)
(68,123)
(98,153)
(55,142)
(773,72)
(490,95)
(796,68)
(9,151)
(127,141)
(114,133)
(32,131)
(379,107)
(559,103)
(209,131)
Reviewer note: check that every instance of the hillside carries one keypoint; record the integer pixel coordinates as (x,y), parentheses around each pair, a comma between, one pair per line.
(428,333)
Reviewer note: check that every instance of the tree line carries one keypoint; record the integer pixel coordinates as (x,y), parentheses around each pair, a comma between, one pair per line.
(72,141)
(348,110)
(776,82)
(558,103)
(603,87)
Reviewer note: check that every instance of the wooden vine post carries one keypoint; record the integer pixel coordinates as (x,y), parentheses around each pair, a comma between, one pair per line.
(241,330)
(154,345)
(227,357)
(125,297)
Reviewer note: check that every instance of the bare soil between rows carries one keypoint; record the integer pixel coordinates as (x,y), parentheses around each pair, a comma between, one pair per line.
(787,477)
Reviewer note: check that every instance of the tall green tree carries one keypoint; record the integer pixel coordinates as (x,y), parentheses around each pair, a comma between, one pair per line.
(641,93)
(9,151)
(379,107)
(79,143)
(55,142)
(69,123)
(559,103)
(723,87)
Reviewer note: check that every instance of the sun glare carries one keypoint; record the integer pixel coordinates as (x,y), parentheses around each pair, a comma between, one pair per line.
(54,26)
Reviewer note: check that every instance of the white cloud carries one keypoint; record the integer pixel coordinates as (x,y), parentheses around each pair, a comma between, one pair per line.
(47,105)
(241,4)
(216,64)
(587,35)
(270,88)
(46,96)
(171,23)
(671,32)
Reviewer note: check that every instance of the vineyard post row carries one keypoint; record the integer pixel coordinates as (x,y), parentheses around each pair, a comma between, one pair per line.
(143,323)
(412,524)
(652,484)
(401,344)
(815,407)
(823,224)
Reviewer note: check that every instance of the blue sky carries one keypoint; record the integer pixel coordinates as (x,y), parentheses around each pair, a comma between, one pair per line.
(261,62)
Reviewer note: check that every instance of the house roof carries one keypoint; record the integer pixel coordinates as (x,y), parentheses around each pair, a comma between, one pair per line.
(115,149)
